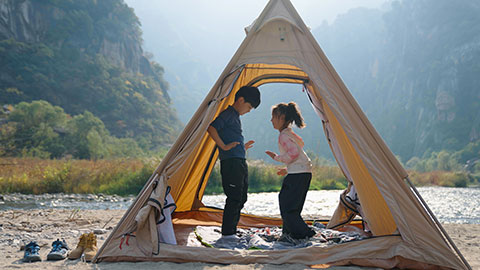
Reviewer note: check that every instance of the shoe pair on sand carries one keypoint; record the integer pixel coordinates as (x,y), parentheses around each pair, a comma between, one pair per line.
(87,245)
(59,251)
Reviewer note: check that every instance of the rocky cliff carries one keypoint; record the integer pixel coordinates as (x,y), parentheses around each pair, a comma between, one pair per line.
(414,70)
(33,21)
(85,55)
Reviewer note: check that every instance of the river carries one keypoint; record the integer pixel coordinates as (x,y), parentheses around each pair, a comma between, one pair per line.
(450,205)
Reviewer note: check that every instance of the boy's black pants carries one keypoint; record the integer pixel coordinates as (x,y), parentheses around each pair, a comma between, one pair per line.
(234,173)
(291,199)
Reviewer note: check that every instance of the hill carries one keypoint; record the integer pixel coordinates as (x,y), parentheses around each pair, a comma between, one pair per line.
(414,70)
(86,55)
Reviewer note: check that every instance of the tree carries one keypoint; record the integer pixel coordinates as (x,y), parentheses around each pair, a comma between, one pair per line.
(36,128)
(86,134)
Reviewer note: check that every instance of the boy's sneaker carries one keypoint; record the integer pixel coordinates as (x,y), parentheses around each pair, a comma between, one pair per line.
(231,237)
(31,252)
(59,251)
(227,241)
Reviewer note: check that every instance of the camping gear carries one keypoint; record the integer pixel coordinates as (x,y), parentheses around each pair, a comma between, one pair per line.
(279,48)
(90,247)
(59,250)
(78,251)
(31,252)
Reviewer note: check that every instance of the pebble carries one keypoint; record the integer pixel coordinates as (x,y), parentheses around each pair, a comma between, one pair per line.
(100,231)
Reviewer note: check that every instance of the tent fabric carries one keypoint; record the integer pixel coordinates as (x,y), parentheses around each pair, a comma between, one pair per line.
(279,48)
(345,211)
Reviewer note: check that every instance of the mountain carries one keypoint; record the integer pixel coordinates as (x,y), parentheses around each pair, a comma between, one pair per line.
(86,55)
(414,70)
(189,74)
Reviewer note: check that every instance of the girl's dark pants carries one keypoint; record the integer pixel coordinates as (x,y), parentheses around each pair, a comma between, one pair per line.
(291,198)
(234,173)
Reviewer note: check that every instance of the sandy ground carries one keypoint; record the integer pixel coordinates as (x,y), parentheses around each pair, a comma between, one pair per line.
(18,227)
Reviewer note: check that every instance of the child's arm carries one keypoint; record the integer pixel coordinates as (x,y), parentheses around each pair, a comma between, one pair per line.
(216,138)
(280,171)
(271,154)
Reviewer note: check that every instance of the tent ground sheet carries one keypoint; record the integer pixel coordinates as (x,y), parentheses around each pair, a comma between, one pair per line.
(270,238)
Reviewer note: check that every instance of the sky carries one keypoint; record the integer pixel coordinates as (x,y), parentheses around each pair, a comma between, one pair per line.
(229,12)
(216,27)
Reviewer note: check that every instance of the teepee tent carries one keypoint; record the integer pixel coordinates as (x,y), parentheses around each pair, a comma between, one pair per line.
(279,48)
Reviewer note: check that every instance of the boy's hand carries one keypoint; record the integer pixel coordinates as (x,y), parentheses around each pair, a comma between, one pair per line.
(249,144)
(282,171)
(271,154)
(230,146)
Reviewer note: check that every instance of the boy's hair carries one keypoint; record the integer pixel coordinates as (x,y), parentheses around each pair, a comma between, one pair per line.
(250,94)
(291,112)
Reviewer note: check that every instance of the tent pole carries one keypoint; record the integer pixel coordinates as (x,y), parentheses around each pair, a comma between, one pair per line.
(450,241)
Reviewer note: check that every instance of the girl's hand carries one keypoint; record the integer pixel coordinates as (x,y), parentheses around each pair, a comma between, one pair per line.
(282,171)
(249,144)
(271,154)
(230,146)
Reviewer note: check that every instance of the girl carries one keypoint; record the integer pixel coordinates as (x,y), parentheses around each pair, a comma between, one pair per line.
(299,170)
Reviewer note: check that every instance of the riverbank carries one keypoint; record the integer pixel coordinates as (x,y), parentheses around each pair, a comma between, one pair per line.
(46,225)
(128,176)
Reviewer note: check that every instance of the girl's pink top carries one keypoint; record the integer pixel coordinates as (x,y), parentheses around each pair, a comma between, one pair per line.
(291,152)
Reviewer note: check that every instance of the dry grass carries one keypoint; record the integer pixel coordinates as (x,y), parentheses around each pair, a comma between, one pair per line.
(127,176)
(37,176)
(440,178)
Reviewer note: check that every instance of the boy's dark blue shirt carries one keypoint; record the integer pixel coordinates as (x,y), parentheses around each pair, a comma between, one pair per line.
(229,129)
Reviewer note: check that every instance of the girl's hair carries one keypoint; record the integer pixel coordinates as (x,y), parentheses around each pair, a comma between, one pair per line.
(291,113)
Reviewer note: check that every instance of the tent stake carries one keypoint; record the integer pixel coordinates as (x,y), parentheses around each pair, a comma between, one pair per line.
(450,241)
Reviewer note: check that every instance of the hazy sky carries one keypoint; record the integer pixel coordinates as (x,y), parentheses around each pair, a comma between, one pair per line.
(215,27)
(242,13)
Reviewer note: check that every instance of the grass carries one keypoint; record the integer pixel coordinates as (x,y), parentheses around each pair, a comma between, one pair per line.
(442,178)
(262,177)
(38,176)
(128,176)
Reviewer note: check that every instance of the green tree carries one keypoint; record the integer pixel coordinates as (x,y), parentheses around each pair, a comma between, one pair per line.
(71,66)
(86,136)
(36,128)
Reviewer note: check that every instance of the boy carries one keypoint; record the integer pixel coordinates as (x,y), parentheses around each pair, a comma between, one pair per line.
(226,131)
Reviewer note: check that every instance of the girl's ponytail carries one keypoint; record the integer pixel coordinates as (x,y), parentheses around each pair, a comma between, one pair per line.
(295,115)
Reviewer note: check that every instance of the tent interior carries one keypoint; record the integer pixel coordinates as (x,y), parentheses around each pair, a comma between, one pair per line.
(271,75)
(189,192)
